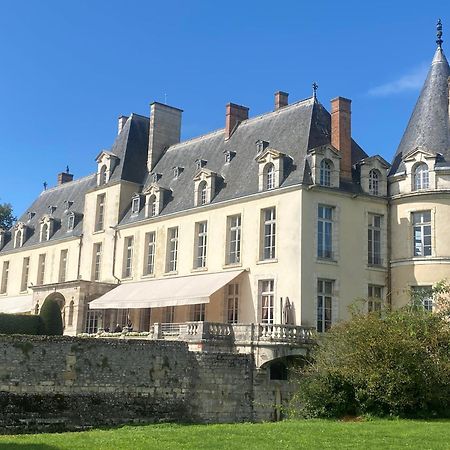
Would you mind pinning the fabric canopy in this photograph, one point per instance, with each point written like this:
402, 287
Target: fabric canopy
189, 290
15, 305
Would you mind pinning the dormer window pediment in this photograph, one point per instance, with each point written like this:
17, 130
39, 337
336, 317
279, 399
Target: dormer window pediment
373, 175
325, 166
270, 168
154, 199
47, 223
205, 181
106, 163
20, 234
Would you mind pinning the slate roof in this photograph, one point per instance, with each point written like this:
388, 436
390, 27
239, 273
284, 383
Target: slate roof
429, 126
292, 130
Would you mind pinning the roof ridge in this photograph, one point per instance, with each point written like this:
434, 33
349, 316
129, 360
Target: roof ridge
70, 183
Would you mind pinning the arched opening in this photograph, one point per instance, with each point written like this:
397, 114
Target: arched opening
325, 172
44, 232
103, 175
374, 182
202, 193
278, 370
61, 301
152, 210
18, 239
269, 176
421, 177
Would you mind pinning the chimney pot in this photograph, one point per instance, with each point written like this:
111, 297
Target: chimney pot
64, 177
235, 114
341, 134
281, 100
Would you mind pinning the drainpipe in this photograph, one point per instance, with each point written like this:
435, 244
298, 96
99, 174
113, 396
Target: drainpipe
79, 257
388, 256
114, 255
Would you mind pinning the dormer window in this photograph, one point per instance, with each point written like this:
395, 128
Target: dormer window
51, 209
269, 176
71, 222
152, 206
374, 182
68, 204
177, 171
20, 234
325, 172
421, 177
261, 146
229, 155
2, 238
135, 204
44, 232
30, 215
107, 162
271, 169
18, 239
205, 187
47, 225
154, 200
154, 177
199, 163
202, 193
103, 178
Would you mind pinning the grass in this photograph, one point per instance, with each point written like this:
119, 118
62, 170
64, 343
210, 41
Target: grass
308, 434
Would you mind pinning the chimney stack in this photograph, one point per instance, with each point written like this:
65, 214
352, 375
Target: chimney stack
281, 100
341, 135
64, 177
122, 122
165, 130
235, 114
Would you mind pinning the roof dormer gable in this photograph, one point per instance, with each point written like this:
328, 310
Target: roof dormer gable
268, 155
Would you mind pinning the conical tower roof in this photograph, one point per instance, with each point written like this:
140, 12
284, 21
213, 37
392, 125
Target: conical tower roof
429, 126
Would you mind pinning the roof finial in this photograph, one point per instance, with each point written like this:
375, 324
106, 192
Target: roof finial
439, 33
67, 169
315, 86
45, 185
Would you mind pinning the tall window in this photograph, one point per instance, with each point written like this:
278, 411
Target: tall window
324, 304
128, 257
103, 176
41, 269
325, 232
62, 266
135, 205
374, 182
234, 239
198, 312
201, 244
5, 275
422, 296
100, 213
374, 240
422, 233
267, 301
168, 314
71, 222
421, 178
269, 172
18, 239
92, 321
232, 303
325, 172
25, 274
152, 206
97, 261
150, 249
202, 193
172, 249
44, 232
375, 298
269, 233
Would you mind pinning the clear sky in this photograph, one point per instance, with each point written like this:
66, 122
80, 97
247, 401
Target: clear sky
70, 68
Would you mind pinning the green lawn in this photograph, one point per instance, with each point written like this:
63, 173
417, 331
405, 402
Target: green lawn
308, 434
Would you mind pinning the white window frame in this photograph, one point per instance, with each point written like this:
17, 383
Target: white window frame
234, 226
267, 301
201, 244
374, 298
374, 240
128, 256
62, 274
269, 172
232, 303
25, 274
427, 302
422, 233
150, 251
41, 269
100, 213
5, 276
374, 182
325, 171
172, 250
97, 261
269, 236
324, 310
421, 177
135, 205
325, 225
198, 312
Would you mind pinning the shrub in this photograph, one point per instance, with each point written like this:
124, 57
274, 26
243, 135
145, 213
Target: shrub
51, 317
21, 324
398, 364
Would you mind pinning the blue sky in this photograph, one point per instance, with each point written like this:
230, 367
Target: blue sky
70, 68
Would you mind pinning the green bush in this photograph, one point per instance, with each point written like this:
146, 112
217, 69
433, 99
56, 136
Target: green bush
397, 365
21, 324
51, 317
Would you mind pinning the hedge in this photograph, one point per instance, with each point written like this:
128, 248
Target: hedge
21, 324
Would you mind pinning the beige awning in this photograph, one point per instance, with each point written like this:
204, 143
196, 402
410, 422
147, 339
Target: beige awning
15, 305
189, 290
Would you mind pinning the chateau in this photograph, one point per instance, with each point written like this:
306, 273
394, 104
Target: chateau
276, 219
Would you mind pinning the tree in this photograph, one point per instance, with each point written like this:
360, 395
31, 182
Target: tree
395, 363
51, 316
6, 216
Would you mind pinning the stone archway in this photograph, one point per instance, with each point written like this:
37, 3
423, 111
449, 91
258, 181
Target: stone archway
61, 301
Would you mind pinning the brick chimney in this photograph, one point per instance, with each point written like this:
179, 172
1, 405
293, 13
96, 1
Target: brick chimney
281, 100
121, 124
341, 135
165, 130
64, 177
235, 114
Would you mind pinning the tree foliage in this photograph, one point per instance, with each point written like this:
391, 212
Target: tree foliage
51, 317
6, 216
395, 364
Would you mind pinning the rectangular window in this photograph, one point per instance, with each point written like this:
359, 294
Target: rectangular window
92, 321
62, 266
128, 257
172, 249
269, 233
96, 261
422, 296
232, 302
374, 240
25, 273
324, 232
234, 239
5, 274
168, 314
267, 296
198, 312
41, 269
150, 248
324, 304
375, 298
422, 233
100, 213
201, 232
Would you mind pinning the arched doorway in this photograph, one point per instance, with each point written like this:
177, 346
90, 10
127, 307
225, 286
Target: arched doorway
61, 301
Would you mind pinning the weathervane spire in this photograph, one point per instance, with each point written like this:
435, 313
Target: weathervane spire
439, 33
315, 86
